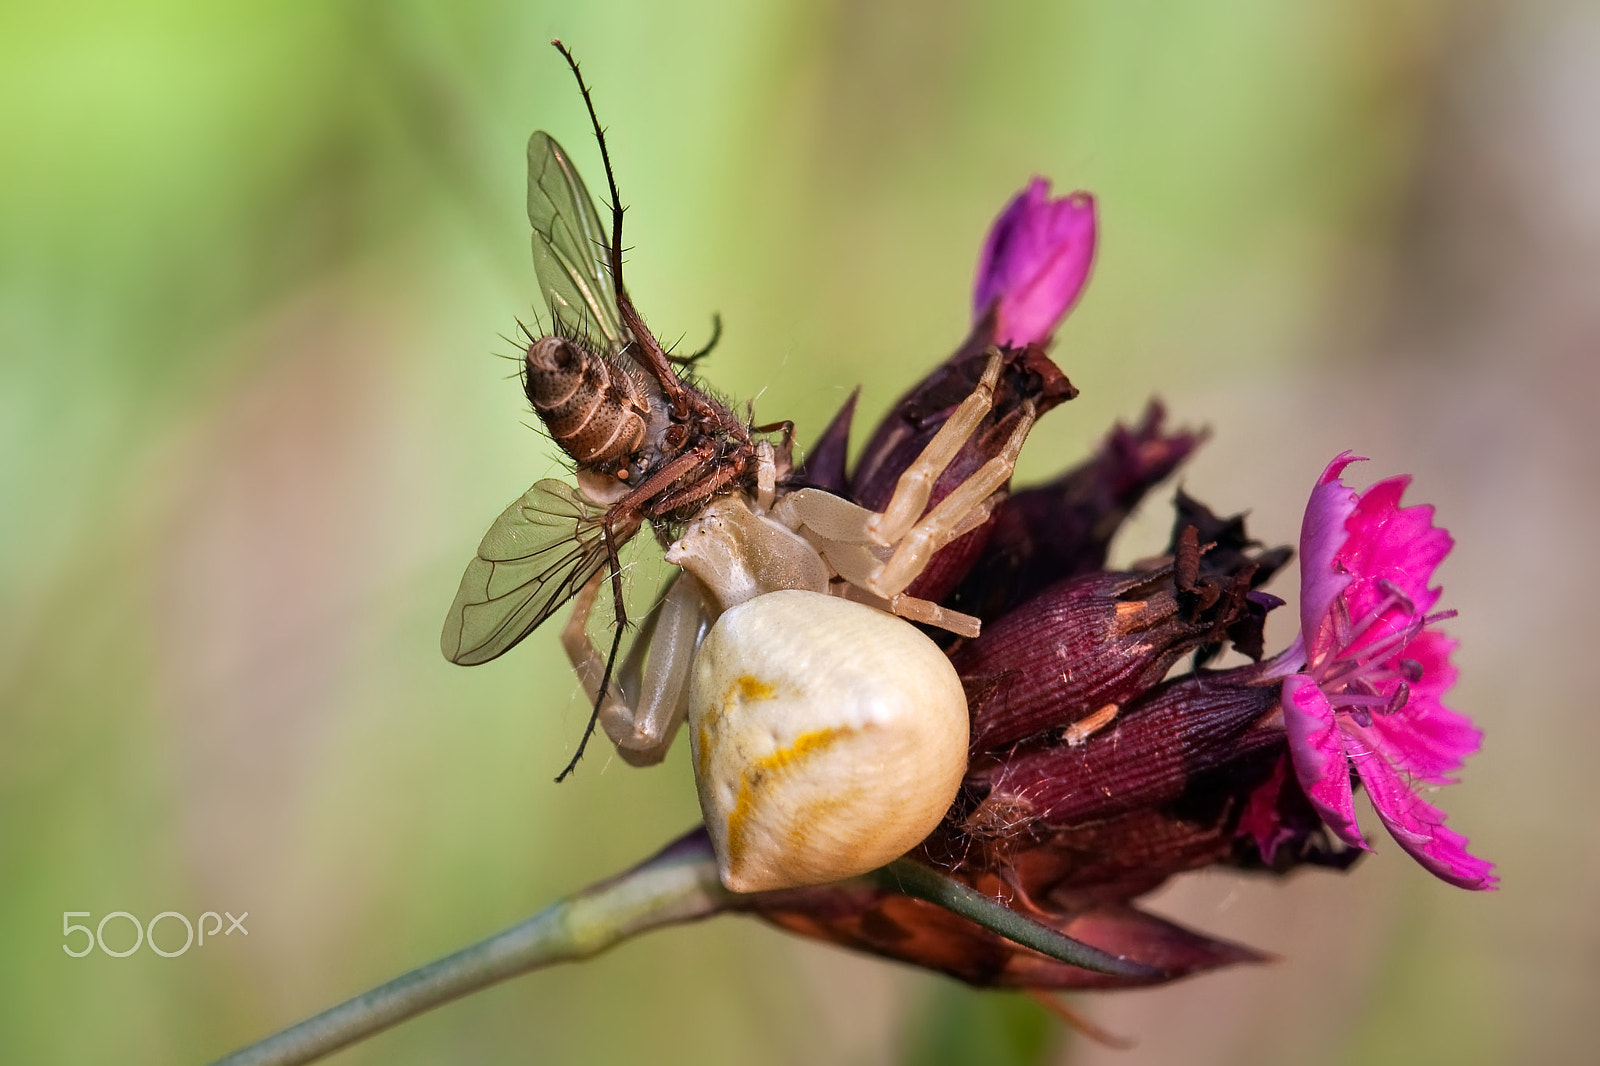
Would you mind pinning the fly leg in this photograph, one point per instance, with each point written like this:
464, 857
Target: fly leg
614, 565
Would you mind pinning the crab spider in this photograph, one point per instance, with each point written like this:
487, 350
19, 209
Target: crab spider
740, 547
829, 737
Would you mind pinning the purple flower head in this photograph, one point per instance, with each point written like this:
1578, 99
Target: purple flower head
1371, 671
1035, 263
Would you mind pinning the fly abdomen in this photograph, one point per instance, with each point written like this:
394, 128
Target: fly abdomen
592, 408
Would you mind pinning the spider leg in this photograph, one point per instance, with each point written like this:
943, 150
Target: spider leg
953, 515
915, 486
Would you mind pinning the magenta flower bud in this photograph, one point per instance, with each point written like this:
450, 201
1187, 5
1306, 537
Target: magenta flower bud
1035, 263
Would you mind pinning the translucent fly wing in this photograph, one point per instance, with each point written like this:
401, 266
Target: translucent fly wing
535, 558
571, 248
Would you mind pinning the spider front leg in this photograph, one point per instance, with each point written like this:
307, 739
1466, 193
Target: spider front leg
915, 486
963, 510
913, 609
644, 707
836, 530
882, 553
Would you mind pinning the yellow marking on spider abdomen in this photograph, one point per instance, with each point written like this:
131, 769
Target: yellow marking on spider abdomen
749, 688
746, 689
766, 772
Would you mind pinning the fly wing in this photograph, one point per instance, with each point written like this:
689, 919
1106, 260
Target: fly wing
571, 248
535, 558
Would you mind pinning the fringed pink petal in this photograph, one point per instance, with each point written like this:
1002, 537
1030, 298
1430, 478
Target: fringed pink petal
1425, 739
1322, 534
1317, 749
1419, 827
1390, 548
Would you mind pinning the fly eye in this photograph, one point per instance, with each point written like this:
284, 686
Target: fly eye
622, 475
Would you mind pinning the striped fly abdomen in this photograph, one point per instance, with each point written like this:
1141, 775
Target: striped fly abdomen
593, 408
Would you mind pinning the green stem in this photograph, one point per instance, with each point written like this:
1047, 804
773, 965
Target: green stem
669, 888
679, 884
911, 878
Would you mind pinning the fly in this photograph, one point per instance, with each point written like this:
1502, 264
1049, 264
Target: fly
647, 444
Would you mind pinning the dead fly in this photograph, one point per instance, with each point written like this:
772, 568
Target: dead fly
648, 445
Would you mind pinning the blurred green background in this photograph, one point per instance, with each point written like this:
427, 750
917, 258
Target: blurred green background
255, 260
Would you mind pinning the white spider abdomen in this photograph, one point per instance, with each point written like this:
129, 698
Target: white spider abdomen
829, 738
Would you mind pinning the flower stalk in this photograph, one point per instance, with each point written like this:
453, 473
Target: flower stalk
679, 884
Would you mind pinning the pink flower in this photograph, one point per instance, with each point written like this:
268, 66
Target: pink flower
1371, 671
1035, 263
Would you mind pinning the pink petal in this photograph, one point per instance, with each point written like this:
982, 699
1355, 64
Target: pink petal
1391, 546
1419, 827
1322, 534
1261, 819
1429, 747
1317, 748
1431, 650
1426, 739
1035, 263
